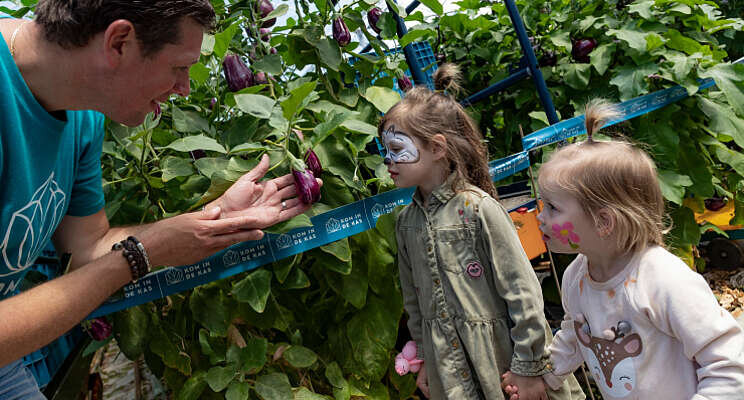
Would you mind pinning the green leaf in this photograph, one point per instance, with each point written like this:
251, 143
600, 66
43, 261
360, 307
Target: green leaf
381, 97
299, 221
193, 387
300, 357
631, 80
601, 57
238, 391
673, 185
354, 286
212, 346
172, 356
248, 148
274, 386
197, 142
677, 41
130, 331
297, 280
329, 53
254, 289
576, 75
208, 306
188, 121
335, 376
271, 63
222, 40
322, 130
94, 345
694, 165
723, 119
653, 42
174, 167
340, 249
199, 73
219, 377
304, 393
293, 105
685, 230
412, 35
433, 5
279, 11
357, 126
207, 46
372, 331
734, 159
255, 104
729, 79
642, 8
634, 38
208, 166
250, 358
561, 39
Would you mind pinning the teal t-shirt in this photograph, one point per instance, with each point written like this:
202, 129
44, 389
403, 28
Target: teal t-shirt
48, 169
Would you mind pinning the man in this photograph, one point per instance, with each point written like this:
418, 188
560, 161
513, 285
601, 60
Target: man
121, 58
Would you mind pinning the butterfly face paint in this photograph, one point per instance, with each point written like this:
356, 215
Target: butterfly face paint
399, 147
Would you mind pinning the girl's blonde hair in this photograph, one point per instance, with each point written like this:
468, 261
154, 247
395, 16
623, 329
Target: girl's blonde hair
611, 175
424, 113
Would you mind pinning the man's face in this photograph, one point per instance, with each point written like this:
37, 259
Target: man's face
146, 82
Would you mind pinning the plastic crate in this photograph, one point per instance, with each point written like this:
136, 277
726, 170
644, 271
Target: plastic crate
424, 56
36, 362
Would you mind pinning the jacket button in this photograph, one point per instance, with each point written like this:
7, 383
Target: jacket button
465, 374
437, 282
430, 248
443, 314
454, 343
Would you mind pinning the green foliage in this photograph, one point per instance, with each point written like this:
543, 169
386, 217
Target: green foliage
644, 46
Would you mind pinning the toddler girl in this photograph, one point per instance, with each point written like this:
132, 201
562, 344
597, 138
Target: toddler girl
474, 303
647, 326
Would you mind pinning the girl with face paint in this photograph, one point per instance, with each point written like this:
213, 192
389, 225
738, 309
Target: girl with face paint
627, 299
473, 300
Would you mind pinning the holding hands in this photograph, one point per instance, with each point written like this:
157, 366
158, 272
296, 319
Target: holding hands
523, 387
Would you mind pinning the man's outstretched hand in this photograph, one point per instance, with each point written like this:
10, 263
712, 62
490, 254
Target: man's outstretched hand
261, 202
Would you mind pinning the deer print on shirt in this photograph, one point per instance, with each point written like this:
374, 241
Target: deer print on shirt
611, 361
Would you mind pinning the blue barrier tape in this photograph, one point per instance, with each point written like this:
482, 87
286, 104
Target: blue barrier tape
352, 218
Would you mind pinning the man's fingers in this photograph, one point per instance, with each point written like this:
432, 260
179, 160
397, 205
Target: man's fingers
210, 212
232, 224
294, 208
283, 181
259, 170
230, 239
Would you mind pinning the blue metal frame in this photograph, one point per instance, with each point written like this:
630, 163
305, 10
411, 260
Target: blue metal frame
531, 69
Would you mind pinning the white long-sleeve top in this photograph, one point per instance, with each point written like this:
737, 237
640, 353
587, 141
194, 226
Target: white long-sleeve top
681, 344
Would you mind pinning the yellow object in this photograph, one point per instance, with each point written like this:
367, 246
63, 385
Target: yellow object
529, 233
719, 218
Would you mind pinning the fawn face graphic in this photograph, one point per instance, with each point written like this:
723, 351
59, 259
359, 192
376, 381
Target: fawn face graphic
611, 361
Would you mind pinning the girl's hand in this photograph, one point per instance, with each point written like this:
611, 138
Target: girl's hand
422, 381
523, 387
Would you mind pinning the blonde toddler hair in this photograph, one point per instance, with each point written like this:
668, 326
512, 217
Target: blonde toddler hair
612, 175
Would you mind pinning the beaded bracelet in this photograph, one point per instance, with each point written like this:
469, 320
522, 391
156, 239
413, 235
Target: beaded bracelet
135, 254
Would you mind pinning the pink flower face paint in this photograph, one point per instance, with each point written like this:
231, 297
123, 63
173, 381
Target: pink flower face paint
565, 233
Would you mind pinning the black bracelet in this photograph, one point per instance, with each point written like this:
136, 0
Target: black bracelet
136, 256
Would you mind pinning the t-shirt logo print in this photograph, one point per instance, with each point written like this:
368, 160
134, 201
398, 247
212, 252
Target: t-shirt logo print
611, 361
32, 225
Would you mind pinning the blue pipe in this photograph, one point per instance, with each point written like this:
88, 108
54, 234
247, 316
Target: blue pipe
413, 64
496, 87
537, 77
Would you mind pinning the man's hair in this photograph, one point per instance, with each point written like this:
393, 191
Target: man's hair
613, 175
72, 24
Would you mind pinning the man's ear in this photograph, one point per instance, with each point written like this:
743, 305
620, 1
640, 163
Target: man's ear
438, 146
606, 222
119, 41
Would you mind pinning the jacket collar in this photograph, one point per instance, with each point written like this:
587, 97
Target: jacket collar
441, 194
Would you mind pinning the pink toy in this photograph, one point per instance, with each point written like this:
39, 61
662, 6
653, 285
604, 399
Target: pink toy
406, 360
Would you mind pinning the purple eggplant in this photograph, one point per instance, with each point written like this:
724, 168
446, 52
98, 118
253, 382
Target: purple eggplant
581, 49
307, 187
265, 8
272, 50
404, 84
260, 79
341, 32
212, 102
715, 203
265, 34
99, 329
237, 74
313, 163
373, 16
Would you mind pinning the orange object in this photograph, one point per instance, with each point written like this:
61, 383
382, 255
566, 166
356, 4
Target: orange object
528, 230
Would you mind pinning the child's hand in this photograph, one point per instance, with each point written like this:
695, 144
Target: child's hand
422, 381
523, 387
